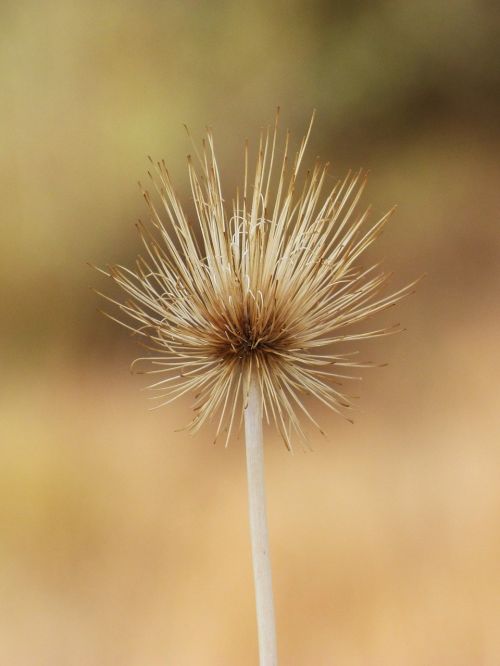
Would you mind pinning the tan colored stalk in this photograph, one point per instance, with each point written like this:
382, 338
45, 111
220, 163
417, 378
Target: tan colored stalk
258, 527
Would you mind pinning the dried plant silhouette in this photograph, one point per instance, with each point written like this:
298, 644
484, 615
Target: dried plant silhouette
267, 287
246, 307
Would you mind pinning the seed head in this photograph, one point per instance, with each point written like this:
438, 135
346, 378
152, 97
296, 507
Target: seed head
269, 286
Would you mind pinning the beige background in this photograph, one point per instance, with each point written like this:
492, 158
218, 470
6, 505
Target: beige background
125, 542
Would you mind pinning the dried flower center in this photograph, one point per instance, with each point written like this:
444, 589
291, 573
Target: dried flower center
249, 339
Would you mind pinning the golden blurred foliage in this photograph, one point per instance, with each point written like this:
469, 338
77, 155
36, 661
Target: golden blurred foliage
124, 542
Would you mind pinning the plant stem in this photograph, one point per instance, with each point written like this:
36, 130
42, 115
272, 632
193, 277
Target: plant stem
258, 527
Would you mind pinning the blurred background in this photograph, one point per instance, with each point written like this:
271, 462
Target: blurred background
124, 541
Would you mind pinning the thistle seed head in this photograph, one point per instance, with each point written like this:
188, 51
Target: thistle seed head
269, 286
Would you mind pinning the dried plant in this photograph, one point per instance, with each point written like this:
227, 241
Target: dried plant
266, 289
246, 306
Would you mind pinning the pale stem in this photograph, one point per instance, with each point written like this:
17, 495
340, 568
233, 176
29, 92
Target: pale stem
258, 528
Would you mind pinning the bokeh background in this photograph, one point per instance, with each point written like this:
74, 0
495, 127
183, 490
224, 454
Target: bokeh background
125, 542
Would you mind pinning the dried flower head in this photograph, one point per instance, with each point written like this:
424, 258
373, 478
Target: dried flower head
268, 287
